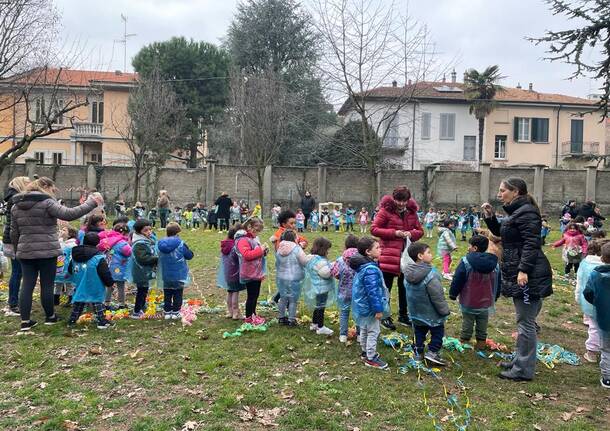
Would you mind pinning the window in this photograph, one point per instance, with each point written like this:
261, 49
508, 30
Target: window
96, 157
391, 139
500, 147
470, 147
447, 128
426, 125
40, 113
39, 156
523, 129
540, 130
531, 130
576, 136
58, 158
57, 106
97, 112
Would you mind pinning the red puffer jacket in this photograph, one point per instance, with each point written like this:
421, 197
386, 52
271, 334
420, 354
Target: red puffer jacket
386, 223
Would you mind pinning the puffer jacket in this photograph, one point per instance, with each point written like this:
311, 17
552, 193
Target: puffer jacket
173, 254
110, 238
8, 198
597, 293
446, 241
343, 272
476, 281
574, 244
387, 221
144, 259
369, 294
522, 244
34, 223
425, 295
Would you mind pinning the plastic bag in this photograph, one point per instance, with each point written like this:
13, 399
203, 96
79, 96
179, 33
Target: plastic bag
318, 292
405, 259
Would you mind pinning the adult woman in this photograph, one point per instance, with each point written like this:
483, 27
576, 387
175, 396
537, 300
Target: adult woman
223, 210
526, 272
308, 204
163, 205
17, 185
34, 234
395, 222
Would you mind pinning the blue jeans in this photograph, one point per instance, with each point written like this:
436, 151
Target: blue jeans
14, 283
436, 338
344, 311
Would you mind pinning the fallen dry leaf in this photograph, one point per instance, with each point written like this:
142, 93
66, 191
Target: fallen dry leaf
190, 426
95, 350
42, 385
132, 355
286, 394
566, 416
70, 425
346, 413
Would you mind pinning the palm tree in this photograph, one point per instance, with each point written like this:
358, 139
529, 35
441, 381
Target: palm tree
480, 91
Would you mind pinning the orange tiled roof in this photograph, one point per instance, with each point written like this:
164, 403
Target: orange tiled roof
71, 77
432, 90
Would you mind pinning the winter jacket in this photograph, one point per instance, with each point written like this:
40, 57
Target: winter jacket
585, 270
90, 274
385, 224
425, 296
573, 211
224, 204
369, 293
597, 293
446, 241
343, 272
289, 262
275, 238
8, 198
252, 262
34, 223
173, 254
477, 282
574, 245
522, 250
144, 259
588, 210
110, 238
308, 204
227, 276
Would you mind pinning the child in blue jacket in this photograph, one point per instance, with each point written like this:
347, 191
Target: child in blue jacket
597, 293
369, 299
173, 254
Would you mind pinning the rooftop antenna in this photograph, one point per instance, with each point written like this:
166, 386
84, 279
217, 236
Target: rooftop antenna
126, 36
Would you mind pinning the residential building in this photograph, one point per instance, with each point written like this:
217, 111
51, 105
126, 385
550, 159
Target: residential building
96, 135
433, 125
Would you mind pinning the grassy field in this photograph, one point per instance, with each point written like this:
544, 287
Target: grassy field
157, 375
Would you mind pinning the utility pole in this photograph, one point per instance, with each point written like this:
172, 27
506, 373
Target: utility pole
126, 36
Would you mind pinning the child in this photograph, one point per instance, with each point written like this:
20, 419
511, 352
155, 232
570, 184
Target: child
314, 221
429, 220
228, 271
363, 219
173, 254
203, 211
350, 215
446, 245
143, 264
152, 216
257, 211
91, 276
196, 217
178, 215
188, 218
275, 212
325, 219
585, 269
564, 221
287, 220
67, 240
597, 293
463, 223
235, 213
213, 218
252, 264
477, 283
370, 298
546, 228
118, 251
319, 284
337, 219
300, 220
342, 271
138, 211
426, 303
289, 261
574, 247
95, 223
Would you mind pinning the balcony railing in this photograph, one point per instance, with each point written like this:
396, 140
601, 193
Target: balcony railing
579, 148
88, 130
395, 144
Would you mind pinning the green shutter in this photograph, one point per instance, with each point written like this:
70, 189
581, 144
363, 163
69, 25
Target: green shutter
516, 129
535, 129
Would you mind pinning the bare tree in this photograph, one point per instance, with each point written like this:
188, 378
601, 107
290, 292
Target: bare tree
366, 45
259, 113
152, 125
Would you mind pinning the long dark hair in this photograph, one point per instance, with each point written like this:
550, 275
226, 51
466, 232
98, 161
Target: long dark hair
520, 186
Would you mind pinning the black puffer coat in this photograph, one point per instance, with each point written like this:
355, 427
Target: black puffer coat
8, 198
520, 233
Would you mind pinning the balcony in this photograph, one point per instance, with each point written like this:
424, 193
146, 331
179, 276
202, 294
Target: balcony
580, 148
395, 145
88, 131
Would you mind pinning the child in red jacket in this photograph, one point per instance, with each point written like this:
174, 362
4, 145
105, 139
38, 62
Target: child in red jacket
574, 247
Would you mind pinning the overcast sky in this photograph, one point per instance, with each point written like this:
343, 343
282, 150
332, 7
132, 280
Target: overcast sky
476, 32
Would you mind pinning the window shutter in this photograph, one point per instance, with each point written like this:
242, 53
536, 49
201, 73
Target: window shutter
516, 129
100, 112
535, 129
544, 130
451, 126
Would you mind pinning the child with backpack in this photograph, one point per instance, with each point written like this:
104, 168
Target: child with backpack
143, 264
115, 244
227, 276
289, 261
67, 241
370, 299
477, 283
428, 309
342, 271
173, 266
319, 284
91, 276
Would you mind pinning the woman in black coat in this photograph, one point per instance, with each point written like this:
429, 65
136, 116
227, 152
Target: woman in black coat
526, 272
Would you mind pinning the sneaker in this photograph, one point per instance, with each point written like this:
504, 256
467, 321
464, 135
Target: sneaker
342, 338
325, 331
292, 323
376, 362
176, 315
137, 315
590, 356
448, 276
363, 356
248, 320
388, 324
168, 315
26, 326
12, 312
404, 321
51, 320
605, 383
257, 320
282, 321
435, 358
313, 327
105, 324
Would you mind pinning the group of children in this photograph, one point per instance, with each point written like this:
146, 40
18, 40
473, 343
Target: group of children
339, 219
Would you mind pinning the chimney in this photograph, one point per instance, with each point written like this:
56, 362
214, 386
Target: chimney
519, 85
394, 84
453, 76
118, 72
531, 86
444, 80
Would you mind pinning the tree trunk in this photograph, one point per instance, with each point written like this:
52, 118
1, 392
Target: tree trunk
260, 178
481, 131
192, 162
136, 182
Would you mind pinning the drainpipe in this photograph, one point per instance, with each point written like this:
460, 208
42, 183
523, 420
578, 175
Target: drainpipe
557, 137
413, 139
